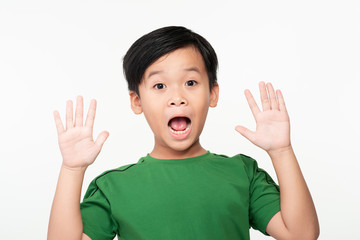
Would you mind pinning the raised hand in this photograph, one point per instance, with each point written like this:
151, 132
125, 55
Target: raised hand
272, 124
76, 143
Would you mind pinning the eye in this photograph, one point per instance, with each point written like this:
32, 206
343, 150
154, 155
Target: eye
159, 86
191, 83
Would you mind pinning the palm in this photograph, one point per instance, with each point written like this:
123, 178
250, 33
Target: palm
76, 143
272, 124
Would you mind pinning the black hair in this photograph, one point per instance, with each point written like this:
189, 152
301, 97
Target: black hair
150, 47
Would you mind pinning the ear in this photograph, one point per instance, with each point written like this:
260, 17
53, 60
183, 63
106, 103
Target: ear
135, 102
214, 95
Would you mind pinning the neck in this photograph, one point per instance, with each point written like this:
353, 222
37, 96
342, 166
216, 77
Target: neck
164, 152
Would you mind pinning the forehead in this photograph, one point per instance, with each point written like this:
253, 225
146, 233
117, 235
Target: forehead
183, 59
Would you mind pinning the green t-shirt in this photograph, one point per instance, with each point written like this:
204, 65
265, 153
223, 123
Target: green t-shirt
206, 197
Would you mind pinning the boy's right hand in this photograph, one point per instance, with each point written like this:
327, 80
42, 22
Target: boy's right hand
76, 143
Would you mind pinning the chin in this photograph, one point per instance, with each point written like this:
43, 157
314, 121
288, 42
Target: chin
183, 146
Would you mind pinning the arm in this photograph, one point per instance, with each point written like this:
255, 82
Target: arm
297, 218
78, 151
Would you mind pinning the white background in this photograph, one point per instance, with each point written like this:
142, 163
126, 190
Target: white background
53, 51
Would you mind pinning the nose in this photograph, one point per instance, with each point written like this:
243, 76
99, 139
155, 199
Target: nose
177, 101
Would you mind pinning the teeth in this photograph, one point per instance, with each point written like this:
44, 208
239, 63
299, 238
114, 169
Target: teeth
179, 132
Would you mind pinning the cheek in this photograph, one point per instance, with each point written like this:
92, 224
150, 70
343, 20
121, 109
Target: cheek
202, 102
201, 111
153, 115
153, 123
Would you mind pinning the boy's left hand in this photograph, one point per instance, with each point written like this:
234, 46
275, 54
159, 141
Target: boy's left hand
272, 124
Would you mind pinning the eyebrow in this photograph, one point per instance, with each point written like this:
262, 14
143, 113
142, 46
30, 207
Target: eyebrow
190, 69
153, 73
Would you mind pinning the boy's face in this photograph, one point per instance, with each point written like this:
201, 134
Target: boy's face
175, 98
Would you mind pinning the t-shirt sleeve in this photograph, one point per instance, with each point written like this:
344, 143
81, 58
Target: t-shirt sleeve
97, 220
264, 196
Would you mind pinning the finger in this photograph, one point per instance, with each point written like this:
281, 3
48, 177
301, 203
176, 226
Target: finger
265, 102
79, 111
252, 103
250, 135
59, 125
281, 100
101, 139
89, 122
273, 102
69, 114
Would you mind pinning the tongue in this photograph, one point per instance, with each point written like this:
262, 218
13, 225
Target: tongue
178, 124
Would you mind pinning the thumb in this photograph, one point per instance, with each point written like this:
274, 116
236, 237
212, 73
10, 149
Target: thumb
250, 135
101, 139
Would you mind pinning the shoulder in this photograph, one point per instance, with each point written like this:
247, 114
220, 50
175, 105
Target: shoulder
113, 175
252, 169
238, 159
111, 178
117, 172
238, 163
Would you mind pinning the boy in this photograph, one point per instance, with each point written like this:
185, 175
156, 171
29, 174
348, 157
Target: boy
180, 190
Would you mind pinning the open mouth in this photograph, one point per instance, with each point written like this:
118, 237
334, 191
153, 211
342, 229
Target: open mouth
179, 125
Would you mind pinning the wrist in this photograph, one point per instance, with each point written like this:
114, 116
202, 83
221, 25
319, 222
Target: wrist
280, 152
73, 170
